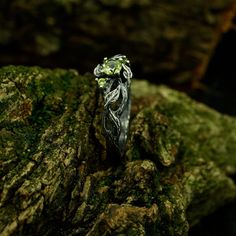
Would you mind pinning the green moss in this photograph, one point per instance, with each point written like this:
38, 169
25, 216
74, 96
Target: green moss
179, 157
42, 125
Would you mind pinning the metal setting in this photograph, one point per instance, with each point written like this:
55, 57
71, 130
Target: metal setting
114, 79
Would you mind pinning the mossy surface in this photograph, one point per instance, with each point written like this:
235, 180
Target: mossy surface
56, 178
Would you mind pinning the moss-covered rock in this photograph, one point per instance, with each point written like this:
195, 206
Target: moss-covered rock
56, 179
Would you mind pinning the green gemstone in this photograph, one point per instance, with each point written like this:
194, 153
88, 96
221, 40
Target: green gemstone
101, 82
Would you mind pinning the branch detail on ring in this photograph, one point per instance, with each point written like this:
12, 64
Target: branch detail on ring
114, 78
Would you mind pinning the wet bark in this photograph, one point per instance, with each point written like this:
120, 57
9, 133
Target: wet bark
57, 180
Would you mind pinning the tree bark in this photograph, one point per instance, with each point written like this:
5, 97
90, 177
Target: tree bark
169, 39
57, 180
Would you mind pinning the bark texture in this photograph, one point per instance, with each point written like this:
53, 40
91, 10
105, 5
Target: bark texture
57, 180
166, 38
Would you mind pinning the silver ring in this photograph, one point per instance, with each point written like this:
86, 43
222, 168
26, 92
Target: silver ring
114, 79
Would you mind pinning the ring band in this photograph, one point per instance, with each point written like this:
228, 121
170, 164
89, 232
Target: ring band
114, 79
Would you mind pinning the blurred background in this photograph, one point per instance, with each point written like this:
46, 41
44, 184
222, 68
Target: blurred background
190, 46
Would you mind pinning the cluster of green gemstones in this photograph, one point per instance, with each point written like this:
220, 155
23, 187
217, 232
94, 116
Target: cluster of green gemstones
110, 68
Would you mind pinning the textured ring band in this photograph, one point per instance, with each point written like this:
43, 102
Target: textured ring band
114, 79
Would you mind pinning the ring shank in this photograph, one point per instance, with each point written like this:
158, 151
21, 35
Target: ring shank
114, 79
124, 119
